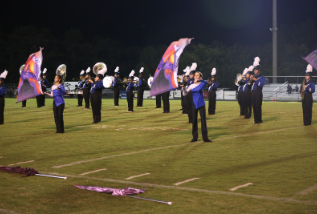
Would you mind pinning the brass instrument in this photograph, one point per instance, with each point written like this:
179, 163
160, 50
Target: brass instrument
21, 68
98, 66
61, 71
302, 93
238, 78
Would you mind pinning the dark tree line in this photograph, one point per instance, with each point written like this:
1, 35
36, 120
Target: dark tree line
79, 53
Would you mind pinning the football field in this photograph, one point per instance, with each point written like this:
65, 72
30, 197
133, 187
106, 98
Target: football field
265, 168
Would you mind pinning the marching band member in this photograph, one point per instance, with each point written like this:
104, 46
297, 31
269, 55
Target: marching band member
80, 87
129, 89
57, 92
2, 94
96, 95
240, 84
197, 89
247, 92
44, 84
212, 92
116, 86
182, 85
86, 88
257, 96
307, 90
141, 85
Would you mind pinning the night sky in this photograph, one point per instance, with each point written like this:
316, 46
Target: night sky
153, 22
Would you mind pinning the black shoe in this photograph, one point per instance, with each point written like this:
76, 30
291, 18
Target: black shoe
207, 141
193, 140
181, 109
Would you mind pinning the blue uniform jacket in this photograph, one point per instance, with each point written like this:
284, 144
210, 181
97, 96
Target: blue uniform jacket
45, 82
246, 87
260, 82
80, 84
213, 86
129, 85
310, 87
96, 85
57, 93
114, 82
2, 90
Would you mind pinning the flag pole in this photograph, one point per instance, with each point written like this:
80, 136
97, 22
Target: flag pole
148, 199
52, 176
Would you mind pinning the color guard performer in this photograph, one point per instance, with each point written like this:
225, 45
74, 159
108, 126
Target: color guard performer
96, 95
129, 89
86, 88
141, 86
57, 92
116, 86
166, 102
307, 90
2, 94
23, 104
190, 81
197, 89
80, 88
212, 92
44, 84
256, 94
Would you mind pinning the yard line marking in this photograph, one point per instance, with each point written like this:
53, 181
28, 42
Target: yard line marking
216, 192
135, 176
112, 156
238, 187
192, 179
8, 211
21, 163
308, 190
164, 147
98, 170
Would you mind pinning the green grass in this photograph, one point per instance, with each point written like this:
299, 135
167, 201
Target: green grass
279, 157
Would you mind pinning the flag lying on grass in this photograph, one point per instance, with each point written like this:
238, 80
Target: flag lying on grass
312, 59
165, 77
30, 84
26, 171
113, 191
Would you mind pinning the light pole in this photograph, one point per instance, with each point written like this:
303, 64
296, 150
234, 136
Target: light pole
274, 31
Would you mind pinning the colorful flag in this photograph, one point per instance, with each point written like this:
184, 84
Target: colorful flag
113, 191
30, 84
312, 59
165, 77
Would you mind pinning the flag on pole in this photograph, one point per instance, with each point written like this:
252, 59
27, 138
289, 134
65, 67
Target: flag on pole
30, 83
312, 59
165, 77
113, 191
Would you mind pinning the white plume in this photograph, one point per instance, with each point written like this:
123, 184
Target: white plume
4, 74
256, 61
250, 68
193, 67
187, 72
117, 69
186, 69
245, 71
213, 72
131, 73
88, 70
103, 71
44, 71
141, 70
309, 68
82, 72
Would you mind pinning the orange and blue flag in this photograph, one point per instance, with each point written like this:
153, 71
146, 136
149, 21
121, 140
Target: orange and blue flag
165, 77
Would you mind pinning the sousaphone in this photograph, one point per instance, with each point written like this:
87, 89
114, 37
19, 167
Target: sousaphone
21, 68
61, 71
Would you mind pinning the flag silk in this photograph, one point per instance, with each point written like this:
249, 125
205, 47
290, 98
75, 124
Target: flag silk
113, 191
312, 59
165, 77
26, 171
30, 83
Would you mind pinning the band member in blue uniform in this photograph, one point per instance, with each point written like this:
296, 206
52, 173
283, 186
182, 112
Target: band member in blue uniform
80, 88
57, 92
240, 84
130, 95
141, 86
181, 85
96, 95
189, 96
117, 83
197, 89
166, 102
213, 85
44, 84
256, 92
86, 88
307, 90
247, 93
2, 94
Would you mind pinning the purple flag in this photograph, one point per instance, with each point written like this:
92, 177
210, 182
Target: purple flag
312, 59
113, 191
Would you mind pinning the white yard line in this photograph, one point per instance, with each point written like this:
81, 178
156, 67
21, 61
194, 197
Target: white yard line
192, 179
264, 197
20, 163
135, 176
164, 147
98, 170
241, 186
308, 190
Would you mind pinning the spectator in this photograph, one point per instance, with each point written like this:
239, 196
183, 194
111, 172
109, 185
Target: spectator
296, 88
